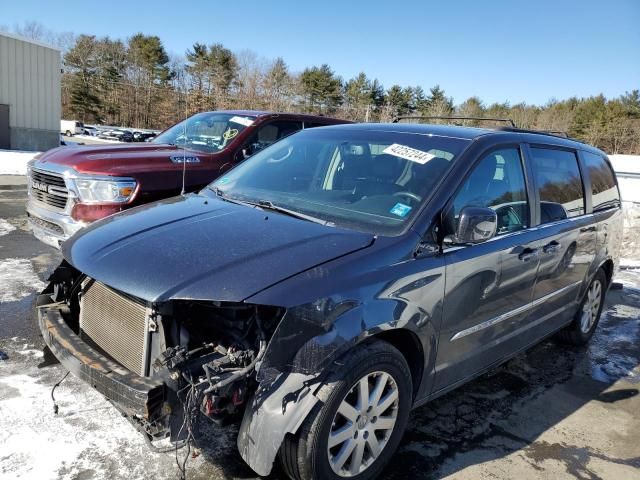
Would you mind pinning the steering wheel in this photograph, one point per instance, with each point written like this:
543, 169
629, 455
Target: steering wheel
409, 195
287, 153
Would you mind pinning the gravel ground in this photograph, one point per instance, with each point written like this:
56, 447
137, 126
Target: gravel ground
553, 412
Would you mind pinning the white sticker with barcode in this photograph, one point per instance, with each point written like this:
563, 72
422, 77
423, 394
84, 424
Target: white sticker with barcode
241, 120
408, 153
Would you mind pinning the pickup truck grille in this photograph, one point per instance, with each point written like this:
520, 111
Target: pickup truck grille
48, 188
116, 324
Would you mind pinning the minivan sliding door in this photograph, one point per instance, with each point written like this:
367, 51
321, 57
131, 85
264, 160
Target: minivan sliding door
566, 242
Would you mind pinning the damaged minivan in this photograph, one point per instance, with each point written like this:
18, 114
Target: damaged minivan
334, 281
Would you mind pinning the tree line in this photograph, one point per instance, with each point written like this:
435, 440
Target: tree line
136, 83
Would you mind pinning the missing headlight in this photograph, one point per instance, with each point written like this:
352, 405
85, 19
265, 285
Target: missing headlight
215, 348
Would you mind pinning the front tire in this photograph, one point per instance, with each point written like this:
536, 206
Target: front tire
586, 319
355, 428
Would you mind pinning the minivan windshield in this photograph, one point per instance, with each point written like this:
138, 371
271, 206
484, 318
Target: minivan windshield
208, 132
364, 179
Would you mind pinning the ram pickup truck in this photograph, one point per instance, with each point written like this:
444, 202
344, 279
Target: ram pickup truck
72, 187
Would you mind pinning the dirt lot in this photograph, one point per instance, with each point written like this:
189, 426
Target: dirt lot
553, 412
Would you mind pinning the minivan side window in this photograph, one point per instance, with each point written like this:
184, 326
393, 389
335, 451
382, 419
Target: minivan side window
559, 184
604, 192
497, 182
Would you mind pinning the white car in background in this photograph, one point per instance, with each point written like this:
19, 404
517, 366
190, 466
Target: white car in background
71, 127
92, 131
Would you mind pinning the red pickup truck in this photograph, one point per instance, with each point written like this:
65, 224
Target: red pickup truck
69, 187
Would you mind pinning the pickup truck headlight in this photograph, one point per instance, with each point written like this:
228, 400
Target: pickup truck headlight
104, 191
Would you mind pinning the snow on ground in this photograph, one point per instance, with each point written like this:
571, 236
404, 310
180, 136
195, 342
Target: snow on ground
91, 137
53, 446
630, 251
14, 162
18, 279
5, 227
87, 439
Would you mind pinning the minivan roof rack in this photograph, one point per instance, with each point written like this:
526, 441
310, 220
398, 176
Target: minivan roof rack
509, 128
552, 133
449, 117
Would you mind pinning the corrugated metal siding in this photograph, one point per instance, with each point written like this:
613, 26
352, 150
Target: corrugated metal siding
30, 83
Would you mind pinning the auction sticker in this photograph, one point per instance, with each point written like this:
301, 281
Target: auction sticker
241, 120
400, 209
408, 153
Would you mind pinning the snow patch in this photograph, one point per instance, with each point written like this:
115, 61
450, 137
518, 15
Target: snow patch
94, 139
89, 438
59, 449
31, 352
5, 227
14, 162
18, 279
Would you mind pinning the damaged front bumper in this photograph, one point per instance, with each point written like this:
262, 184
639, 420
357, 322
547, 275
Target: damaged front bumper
141, 399
272, 376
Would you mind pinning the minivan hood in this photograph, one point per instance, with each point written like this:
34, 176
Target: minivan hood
203, 248
116, 160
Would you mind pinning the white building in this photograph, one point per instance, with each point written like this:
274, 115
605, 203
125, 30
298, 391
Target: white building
627, 168
30, 107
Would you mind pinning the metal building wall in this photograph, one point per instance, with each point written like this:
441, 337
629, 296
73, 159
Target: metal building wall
30, 85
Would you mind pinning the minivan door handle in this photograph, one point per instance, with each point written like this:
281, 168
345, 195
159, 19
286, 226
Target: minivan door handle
528, 254
551, 248
588, 229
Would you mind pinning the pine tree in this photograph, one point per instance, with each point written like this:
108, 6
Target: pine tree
322, 88
278, 84
81, 65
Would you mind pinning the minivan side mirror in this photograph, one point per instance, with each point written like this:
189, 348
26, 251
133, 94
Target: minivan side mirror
476, 225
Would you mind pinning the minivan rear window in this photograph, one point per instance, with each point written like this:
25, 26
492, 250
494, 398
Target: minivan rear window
559, 184
604, 191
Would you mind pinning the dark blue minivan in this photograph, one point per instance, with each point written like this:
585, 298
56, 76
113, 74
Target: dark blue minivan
335, 280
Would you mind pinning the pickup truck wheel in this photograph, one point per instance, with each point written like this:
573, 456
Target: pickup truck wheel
355, 428
586, 319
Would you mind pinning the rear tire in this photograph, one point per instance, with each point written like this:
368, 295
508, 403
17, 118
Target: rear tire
364, 442
586, 319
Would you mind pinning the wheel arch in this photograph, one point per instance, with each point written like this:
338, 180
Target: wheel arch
408, 344
608, 268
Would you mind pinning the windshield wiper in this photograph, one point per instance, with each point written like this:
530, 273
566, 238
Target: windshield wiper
223, 196
268, 205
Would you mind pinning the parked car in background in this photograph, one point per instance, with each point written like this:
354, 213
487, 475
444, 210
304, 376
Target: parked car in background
334, 281
92, 131
71, 127
125, 136
143, 136
117, 134
107, 134
70, 188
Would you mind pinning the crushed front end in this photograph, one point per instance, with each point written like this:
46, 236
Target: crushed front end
159, 364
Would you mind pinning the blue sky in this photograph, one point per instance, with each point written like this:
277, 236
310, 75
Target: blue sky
498, 50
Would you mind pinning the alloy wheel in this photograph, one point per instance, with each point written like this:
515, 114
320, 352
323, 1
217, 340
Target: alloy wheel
363, 424
591, 306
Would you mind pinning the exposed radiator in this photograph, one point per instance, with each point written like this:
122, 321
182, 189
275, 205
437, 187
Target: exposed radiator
116, 324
